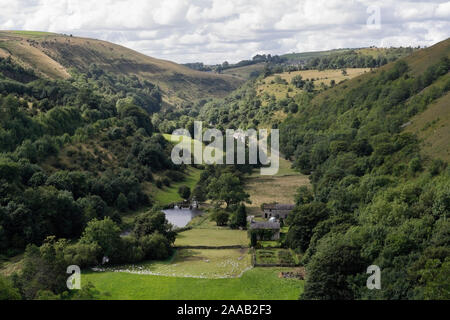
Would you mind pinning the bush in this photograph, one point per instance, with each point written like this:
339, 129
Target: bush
220, 217
7, 290
155, 246
83, 255
105, 233
184, 192
122, 202
166, 181
415, 165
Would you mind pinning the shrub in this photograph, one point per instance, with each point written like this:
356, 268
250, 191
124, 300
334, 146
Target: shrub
184, 192
220, 217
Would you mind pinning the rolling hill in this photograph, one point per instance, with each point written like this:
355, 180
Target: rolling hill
54, 55
432, 125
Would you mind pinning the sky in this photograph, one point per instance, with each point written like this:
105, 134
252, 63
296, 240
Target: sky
214, 31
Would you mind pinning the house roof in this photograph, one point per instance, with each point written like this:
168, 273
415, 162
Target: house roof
278, 206
265, 225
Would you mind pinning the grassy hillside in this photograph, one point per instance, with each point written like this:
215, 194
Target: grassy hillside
312, 54
245, 72
53, 55
433, 128
280, 90
357, 55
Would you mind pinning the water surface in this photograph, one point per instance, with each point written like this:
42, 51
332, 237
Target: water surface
181, 217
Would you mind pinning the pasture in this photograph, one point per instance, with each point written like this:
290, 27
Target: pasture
212, 237
280, 188
279, 90
194, 263
255, 284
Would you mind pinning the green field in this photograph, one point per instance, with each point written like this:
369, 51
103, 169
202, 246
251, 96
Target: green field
212, 237
255, 284
168, 195
190, 263
32, 33
275, 256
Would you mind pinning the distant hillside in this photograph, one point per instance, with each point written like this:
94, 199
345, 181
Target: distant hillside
348, 58
246, 72
53, 55
371, 57
312, 54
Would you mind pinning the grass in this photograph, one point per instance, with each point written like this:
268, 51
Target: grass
245, 71
32, 33
280, 91
11, 265
275, 256
169, 195
280, 188
255, 284
194, 263
212, 237
433, 128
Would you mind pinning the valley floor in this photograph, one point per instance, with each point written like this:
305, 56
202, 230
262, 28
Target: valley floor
255, 284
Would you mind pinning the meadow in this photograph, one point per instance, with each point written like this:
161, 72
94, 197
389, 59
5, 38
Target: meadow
255, 284
280, 188
168, 195
194, 263
212, 237
269, 86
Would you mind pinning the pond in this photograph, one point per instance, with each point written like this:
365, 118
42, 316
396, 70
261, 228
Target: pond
181, 217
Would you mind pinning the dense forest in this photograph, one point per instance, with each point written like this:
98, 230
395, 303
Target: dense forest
376, 198
74, 156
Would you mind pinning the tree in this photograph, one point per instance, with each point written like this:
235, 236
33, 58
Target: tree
304, 196
7, 290
303, 220
227, 188
293, 107
105, 233
298, 81
336, 260
44, 268
436, 279
151, 222
155, 246
122, 202
184, 192
239, 219
220, 217
309, 86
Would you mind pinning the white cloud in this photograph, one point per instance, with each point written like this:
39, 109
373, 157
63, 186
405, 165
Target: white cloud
212, 31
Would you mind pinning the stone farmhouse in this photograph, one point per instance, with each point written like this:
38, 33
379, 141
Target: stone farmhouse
276, 210
271, 225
